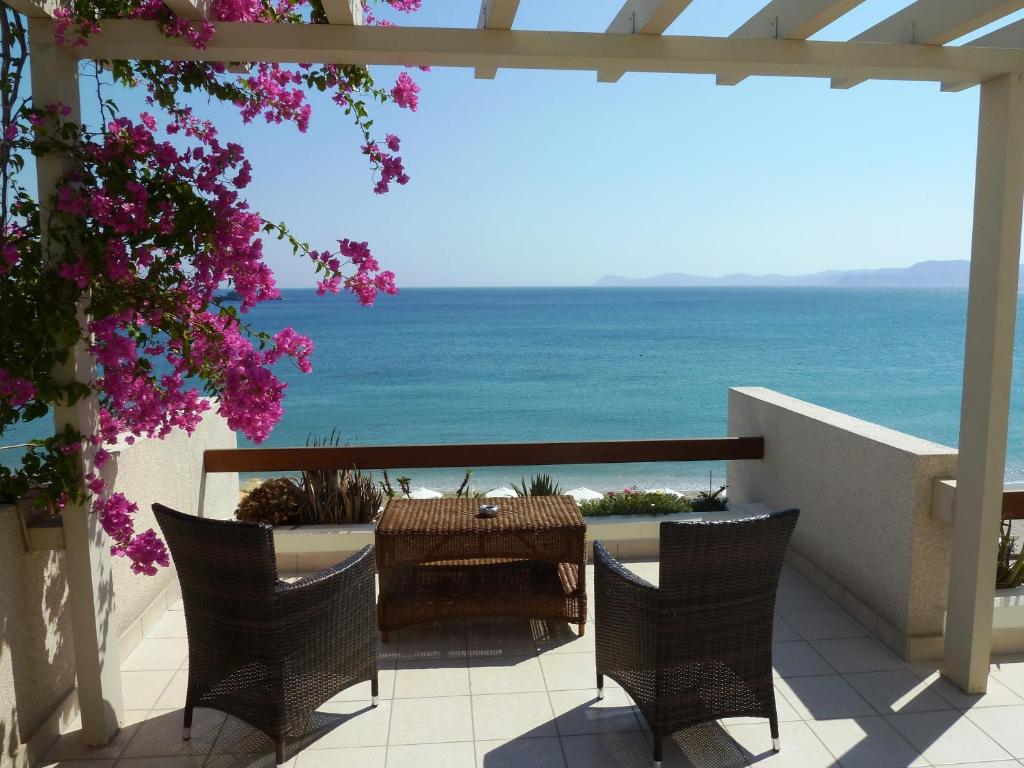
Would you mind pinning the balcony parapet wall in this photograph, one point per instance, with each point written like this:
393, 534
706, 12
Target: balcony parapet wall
866, 534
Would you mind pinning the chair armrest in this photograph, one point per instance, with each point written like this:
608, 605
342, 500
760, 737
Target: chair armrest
343, 595
626, 613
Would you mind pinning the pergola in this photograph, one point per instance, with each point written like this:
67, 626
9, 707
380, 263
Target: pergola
910, 45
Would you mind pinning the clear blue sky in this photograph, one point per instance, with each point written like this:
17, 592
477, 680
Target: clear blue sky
550, 178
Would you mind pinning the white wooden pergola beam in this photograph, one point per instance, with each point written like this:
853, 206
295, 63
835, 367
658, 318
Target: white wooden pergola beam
34, 9
1010, 36
641, 17
195, 10
790, 20
90, 575
343, 11
933, 22
495, 14
580, 51
988, 364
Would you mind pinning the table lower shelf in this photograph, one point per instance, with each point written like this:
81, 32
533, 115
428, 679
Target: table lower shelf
511, 589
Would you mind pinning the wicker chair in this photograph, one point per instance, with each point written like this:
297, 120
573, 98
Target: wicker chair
263, 650
699, 646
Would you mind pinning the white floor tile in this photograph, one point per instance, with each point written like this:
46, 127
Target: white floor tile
823, 697
800, 747
580, 712
349, 757
823, 624
1004, 724
513, 716
946, 737
426, 679
857, 654
897, 691
518, 674
545, 752
430, 721
797, 659
157, 654
997, 695
451, 755
867, 742
351, 724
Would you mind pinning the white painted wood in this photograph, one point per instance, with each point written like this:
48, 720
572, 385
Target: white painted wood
933, 22
87, 549
516, 49
495, 14
641, 17
647, 17
790, 20
1010, 36
196, 10
988, 359
343, 11
34, 9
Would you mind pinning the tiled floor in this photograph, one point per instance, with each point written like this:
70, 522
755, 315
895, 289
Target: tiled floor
520, 694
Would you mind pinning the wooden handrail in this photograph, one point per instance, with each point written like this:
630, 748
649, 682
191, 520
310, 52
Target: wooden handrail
1013, 505
483, 455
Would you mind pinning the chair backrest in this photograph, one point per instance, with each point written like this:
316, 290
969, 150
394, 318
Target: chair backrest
226, 565
704, 564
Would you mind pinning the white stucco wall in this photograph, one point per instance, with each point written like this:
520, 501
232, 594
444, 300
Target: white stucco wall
36, 645
168, 471
864, 492
37, 668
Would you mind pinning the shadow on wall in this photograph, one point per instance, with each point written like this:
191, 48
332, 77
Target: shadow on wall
36, 647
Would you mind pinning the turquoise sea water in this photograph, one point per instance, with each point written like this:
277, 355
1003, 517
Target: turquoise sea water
504, 365
482, 365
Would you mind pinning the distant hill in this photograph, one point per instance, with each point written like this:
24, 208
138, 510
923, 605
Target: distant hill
924, 274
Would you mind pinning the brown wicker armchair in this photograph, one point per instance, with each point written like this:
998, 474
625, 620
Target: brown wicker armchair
263, 650
698, 647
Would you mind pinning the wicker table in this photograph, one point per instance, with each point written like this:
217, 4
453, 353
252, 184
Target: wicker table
439, 559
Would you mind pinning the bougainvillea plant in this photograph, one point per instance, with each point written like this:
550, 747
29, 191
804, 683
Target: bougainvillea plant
147, 228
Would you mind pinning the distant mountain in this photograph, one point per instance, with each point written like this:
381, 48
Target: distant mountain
924, 274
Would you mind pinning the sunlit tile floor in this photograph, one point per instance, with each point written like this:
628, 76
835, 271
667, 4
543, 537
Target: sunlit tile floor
519, 694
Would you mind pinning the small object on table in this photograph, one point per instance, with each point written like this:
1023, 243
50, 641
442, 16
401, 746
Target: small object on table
488, 510
446, 559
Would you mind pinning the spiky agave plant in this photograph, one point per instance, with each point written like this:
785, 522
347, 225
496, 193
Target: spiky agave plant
539, 485
1009, 572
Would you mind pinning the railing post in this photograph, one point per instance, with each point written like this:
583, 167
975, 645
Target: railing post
988, 362
87, 549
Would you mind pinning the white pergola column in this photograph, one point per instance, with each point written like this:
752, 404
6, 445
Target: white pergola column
988, 362
87, 549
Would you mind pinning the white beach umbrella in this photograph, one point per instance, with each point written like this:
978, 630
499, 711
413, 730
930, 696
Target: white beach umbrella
667, 492
504, 492
584, 494
425, 493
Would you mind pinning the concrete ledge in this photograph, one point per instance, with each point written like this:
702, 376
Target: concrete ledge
312, 547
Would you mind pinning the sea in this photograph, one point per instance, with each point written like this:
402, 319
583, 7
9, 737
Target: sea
480, 365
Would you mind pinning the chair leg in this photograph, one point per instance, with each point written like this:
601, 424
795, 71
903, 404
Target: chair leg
774, 725
279, 749
657, 749
186, 726
600, 686
374, 690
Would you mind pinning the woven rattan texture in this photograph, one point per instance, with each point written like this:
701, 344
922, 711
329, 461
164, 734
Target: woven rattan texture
699, 646
267, 652
438, 558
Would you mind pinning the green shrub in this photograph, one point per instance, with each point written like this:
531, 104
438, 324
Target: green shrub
278, 501
710, 501
635, 503
1009, 567
539, 485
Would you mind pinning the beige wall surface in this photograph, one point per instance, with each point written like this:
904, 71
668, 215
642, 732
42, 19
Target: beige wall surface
37, 670
864, 492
